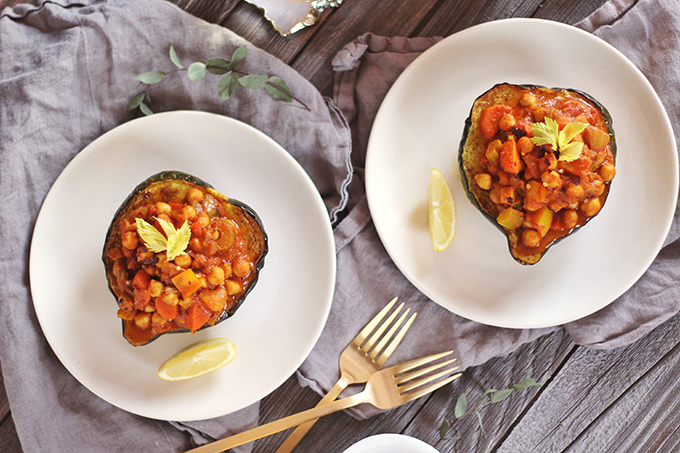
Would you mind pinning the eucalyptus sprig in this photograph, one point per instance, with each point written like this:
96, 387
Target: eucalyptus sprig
488, 397
233, 77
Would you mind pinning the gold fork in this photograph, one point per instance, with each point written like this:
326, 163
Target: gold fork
360, 360
386, 389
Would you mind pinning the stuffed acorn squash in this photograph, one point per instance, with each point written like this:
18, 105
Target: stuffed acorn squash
180, 256
538, 162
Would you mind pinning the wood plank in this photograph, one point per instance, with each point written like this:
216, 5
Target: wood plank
545, 356
596, 397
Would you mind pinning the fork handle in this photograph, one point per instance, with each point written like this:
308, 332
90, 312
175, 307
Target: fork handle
297, 435
282, 424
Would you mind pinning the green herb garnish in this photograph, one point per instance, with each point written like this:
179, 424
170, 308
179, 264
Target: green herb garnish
233, 78
549, 133
174, 245
490, 396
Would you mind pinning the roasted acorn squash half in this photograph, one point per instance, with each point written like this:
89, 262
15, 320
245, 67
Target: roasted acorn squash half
538, 162
179, 256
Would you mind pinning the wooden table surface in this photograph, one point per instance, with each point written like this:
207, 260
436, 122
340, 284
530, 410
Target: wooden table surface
624, 400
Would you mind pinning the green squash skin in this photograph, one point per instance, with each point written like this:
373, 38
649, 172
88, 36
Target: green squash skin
482, 203
181, 176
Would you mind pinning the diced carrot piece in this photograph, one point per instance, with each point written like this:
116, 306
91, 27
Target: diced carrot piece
187, 283
510, 158
197, 315
166, 310
141, 280
488, 121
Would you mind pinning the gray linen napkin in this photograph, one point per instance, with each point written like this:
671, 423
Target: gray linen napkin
67, 72
645, 31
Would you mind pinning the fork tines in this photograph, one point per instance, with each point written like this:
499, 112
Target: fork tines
381, 351
407, 374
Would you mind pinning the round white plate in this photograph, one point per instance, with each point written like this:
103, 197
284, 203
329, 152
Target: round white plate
419, 127
391, 443
275, 328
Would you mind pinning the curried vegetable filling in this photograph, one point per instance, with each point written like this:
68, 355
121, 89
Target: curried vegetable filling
547, 166
182, 263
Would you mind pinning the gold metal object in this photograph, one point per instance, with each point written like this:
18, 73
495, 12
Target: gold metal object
386, 389
360, 360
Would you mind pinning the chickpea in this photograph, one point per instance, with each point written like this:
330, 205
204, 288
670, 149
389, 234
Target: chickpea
226, 267
183, 261
143, 320
569, 218
551, 179
170, 298
155, 288
607, 172
194, 195
185, 303
195, 244
130, 240
531, 237
158, 319
591, 207
126, 315
188, 212
538, 114
216, 276
203, 218
484, 181
241, 267
163, 208
232, 287
149, 308
525, 145
575, 191
527, 100
506, 122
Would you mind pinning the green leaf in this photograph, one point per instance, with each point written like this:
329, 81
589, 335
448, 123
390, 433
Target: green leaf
153, 239
484, 395
227, 85
570, 131
443, 429
278, 89
145, 109
525, 384
237, 57
174, 58
461, 406
481, 425
136, 101
571, 152
150, 77
253, 81
545, 133
218, 66
196, 71
178, 240
147, 98
501, 395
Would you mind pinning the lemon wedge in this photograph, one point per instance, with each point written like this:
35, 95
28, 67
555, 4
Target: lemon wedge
198, 359
441, 212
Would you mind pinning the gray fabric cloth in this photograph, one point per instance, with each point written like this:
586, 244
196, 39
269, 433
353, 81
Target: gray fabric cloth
645, 31
72, 84
67, 73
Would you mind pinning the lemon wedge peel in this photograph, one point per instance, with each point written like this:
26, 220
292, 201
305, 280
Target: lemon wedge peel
198, 360
441, 212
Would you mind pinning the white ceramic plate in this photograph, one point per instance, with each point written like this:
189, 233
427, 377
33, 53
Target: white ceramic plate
275, 328
419, 126
391, 443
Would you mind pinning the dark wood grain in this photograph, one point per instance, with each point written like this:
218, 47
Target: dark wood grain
623, 400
